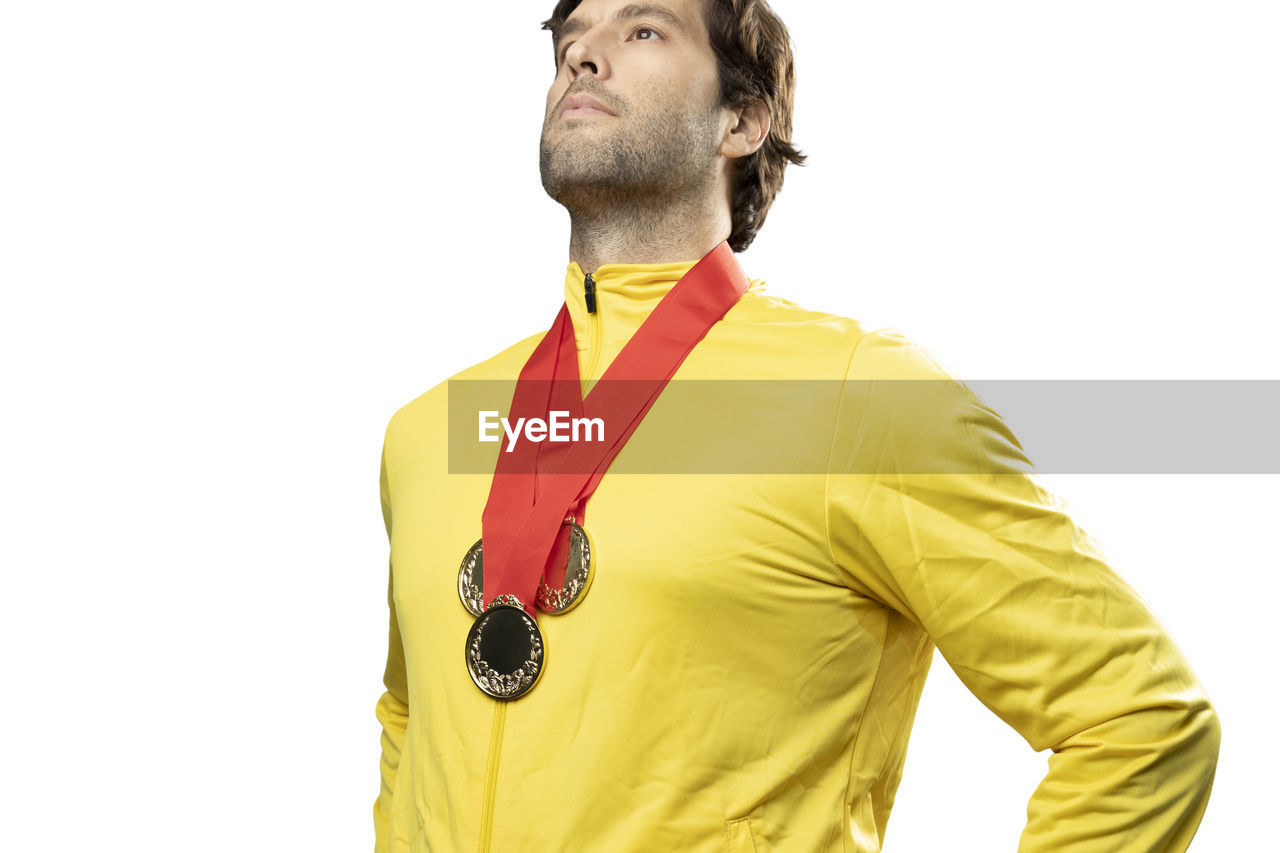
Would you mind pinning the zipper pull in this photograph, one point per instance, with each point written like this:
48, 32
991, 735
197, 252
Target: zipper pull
591, 294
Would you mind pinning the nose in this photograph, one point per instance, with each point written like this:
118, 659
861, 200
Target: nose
583, 57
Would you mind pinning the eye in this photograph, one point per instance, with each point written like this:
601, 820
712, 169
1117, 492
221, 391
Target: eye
564, 51
638, 32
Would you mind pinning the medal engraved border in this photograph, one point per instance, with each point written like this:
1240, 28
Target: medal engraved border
577, 575
553, 600
504, 685
472, 593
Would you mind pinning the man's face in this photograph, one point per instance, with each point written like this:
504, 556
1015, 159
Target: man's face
633, 112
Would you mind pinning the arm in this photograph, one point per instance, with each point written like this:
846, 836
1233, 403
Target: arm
392, 709
932, 511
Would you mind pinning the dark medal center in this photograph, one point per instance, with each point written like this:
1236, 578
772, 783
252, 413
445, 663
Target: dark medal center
507, 644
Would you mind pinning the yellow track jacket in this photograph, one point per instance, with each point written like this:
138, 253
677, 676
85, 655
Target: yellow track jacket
745, 669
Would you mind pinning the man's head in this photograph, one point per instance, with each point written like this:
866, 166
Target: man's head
655, 102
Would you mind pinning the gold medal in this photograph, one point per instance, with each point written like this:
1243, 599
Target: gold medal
504, 650
471, 579
578, 574
505, 654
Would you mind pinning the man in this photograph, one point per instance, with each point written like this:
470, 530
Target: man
740, 668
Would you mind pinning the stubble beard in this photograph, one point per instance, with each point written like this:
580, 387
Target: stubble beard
659, 163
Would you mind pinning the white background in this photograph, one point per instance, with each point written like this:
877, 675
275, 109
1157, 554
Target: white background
236, 236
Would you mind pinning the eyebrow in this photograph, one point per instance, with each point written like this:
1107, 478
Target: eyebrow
574, 26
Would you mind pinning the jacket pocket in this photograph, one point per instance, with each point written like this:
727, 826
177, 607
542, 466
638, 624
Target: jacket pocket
740, 838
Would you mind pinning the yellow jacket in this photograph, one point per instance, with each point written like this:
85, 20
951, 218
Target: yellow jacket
744, 672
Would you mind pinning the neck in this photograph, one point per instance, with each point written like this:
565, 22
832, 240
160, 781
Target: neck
637, 234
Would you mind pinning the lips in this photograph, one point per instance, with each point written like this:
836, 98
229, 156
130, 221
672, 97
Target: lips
582, 104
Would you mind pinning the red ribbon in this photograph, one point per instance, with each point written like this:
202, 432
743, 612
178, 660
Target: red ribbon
536, 485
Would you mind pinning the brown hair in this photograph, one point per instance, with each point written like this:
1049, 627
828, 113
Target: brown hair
754, 62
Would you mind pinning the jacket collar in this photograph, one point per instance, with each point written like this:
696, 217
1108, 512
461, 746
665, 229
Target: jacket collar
625, 295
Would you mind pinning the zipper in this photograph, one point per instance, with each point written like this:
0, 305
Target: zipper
500, 708
589, 291
491, 775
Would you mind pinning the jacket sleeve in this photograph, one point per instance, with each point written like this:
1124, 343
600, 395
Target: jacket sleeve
934, 511
392, 709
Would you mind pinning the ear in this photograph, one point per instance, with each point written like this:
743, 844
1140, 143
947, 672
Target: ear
748, 129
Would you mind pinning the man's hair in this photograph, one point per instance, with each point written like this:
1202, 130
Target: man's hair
754, 62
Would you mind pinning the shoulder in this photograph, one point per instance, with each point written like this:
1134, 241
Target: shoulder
899, 404
768, 336
848, 346
429, 409
903, 409
759, 307
890, 353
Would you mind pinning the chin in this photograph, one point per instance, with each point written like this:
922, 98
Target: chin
567, 155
